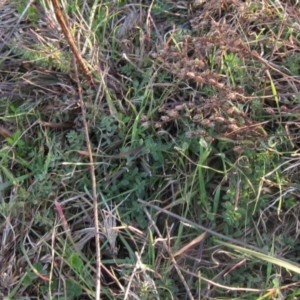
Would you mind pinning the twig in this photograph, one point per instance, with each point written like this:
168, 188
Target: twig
94, 191
70, 39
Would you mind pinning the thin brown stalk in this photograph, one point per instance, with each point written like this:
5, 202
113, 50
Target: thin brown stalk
71, 41
93, 179
59, 125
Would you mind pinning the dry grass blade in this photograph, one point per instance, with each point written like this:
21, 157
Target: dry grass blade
274, 260
190, 244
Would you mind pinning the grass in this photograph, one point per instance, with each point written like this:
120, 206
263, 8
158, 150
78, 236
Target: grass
183, 154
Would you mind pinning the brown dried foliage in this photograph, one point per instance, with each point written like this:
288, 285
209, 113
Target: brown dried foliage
257, 39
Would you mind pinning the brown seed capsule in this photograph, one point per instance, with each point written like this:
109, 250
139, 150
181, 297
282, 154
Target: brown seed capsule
220, 85
191, 74
173, 113
220, 119
238, 149
201, 132
199, 79
205, 122
233, 127
165, 118
146, 124
231, 110
197, 117
209, 138
232, 120
190, 134
180, 107
212, 81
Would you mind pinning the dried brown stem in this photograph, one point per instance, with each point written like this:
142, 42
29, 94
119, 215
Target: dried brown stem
69, 37
94, 191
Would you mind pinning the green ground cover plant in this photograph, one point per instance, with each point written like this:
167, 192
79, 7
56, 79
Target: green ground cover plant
183, 152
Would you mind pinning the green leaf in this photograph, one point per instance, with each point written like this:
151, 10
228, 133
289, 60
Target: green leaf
73, 288
30, 276
76, 262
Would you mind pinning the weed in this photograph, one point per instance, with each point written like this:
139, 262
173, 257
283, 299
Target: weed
193, 125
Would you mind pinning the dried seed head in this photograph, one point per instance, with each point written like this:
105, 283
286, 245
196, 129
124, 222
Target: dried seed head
199, 79
232, 120
231, 95
173, 113
190, 134
212, 81
205, 122
283, 108
165, 118
220, 119
238, 149
202, 132
240, 89
220, 85
197, 117
233, 127
209, 138
270, 110
144, 118
231, 110
199, 63
191, 74
180, 107
146, 124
